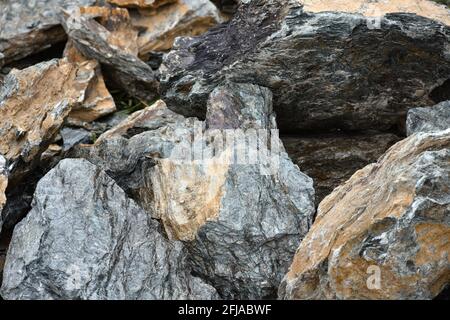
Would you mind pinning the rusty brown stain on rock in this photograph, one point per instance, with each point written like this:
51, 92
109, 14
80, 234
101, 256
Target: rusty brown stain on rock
141, 3
379, 8
386, 206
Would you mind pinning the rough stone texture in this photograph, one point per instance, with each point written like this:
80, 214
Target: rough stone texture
33, 105
31, 26
392, 215
331, 159
98, 101
327, 70
241, 227
74, 136
153, 4
430, 119
84, 239
158, 28
113, 42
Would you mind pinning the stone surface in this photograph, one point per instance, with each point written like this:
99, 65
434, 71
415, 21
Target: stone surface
331, 159
226, 6
153, 4
430, 119
241, 226
390, 219
84, 239
98, 101
31, 26
107, 36
158, 28
3, 185
327, 70
34, 103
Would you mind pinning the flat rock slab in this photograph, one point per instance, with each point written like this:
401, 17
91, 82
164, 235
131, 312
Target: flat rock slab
84, 239
384, 233
327, 70
28, 27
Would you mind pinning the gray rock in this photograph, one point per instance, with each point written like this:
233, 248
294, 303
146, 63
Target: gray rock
327, 70
241, 226
84, 239
227, 6
430, 119
113, 49
331, 159
73, 136
31, 26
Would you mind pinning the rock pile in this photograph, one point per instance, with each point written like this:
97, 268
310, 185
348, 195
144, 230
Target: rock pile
142, 158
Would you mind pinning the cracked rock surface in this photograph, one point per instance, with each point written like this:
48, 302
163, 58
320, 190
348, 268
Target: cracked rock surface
391, 218
327, 70
84, 239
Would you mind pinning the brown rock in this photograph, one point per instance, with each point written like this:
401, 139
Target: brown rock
160, 27
140, 3
3, 185
105, 35
34, 104
331, 159
385, 233
368, 8
98, 101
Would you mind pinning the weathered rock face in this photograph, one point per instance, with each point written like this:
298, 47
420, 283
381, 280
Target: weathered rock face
33, 105
331, 159
84, 239
327, 70
158, 28
3, 185
431, 119
389, 220
113, 42
241, 226
30, 26
98, 101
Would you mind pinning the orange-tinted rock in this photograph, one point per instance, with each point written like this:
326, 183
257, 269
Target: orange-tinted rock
34, 102
384, 234
98, 101
160, 27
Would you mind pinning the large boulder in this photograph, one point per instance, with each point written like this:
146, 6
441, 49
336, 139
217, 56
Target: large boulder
85, 239
327, 70
429, 119
34, 103
28, 27
384, 234
241, 221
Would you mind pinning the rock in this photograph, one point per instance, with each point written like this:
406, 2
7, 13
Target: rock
34, 102
384, 233
107, 248
153, 4
74, 136
98, 101
432, 119
114, 45
241, 224
327, 70
331, 159
31, 26
158, 28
